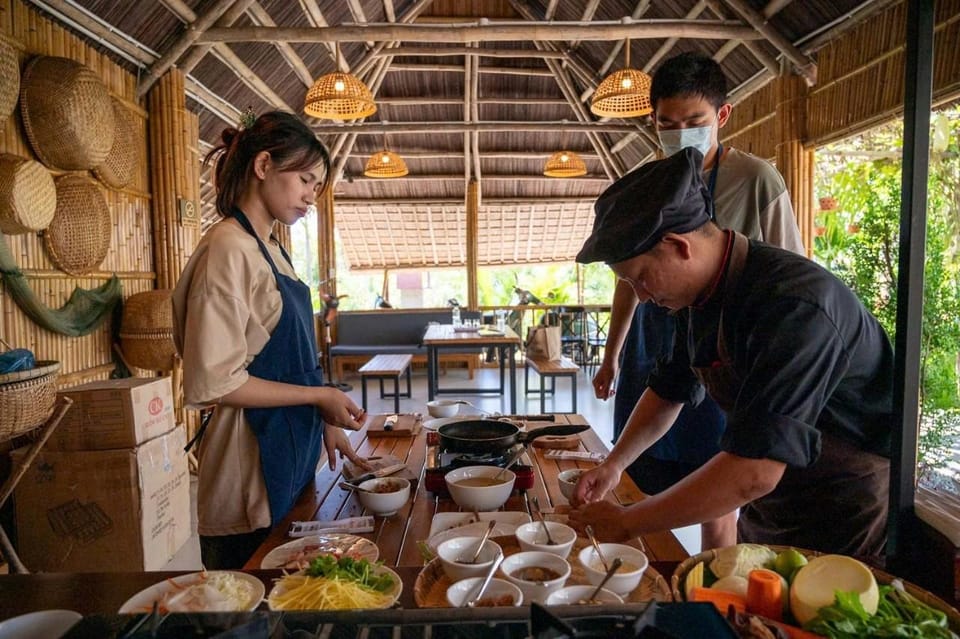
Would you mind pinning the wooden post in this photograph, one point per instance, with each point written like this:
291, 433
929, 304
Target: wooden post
473, 197
793, 160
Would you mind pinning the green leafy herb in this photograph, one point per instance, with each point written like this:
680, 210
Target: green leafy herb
899, 614
350, 569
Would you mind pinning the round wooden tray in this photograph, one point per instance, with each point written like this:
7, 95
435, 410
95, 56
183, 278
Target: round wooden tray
430, 588
882, 577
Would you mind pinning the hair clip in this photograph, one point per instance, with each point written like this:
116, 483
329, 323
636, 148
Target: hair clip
248, 118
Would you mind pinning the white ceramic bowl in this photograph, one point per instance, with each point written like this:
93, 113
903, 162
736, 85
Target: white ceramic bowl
479, 497
623, 582
49, 624
443, 407
573, 595
496, 588
386, 503
567, 480
463, 548
532, 537
537, 591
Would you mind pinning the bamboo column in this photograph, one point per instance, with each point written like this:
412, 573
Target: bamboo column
326, 251
473, 248
174, 177
793, 160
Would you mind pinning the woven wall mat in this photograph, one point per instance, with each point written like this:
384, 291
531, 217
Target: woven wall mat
9, 80
78, 238
430, 588
28, 196
67, 113
120, 166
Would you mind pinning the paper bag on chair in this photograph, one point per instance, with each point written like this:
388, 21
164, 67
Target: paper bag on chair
543, 342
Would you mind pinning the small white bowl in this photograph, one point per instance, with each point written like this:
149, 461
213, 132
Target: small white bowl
443, 407
459, 591
479, 497
567, 480
532, 537
387, 503
623, 582
573, 595
463, 548
537, 591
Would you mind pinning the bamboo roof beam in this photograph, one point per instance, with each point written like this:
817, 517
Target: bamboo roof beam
551, 9
389, 11
806, 67
249, 77
260, 16
638, 11
667, 46
490, 32
588, 12
432, 203
196, 53
187, 38
418, 102
211, 101
491, 155
518, 177
315, 17
358, 15
762, 56
468, 64
485, 53
475, 194
456, 68
487, 126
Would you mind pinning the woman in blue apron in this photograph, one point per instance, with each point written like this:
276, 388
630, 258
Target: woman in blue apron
245, 329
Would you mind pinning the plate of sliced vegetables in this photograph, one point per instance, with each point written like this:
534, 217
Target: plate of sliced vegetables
208, 591
336, 583
297, 554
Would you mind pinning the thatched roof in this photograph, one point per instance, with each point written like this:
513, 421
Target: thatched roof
481, 91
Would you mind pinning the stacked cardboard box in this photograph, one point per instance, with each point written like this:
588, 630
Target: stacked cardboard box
111, 490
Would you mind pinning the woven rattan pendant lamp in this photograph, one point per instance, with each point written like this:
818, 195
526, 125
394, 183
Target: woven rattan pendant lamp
339, 96
564, 164
385, 164
623, 94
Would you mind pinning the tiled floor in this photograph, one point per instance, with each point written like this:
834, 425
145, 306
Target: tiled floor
598, 413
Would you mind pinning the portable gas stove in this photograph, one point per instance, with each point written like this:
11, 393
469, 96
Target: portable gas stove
439, 462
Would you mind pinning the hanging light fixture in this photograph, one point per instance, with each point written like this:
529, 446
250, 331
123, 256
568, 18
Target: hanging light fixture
623, 94
385, 164
564, 164
339, 96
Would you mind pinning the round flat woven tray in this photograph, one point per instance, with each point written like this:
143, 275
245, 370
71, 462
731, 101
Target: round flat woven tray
67, 113
78, 238
28, 196
9, 80
430, 588
120, 166
882, 577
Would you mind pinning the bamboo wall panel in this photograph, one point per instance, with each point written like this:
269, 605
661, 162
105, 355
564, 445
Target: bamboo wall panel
131, 253
751, 126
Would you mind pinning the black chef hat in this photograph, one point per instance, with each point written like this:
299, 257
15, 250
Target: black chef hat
665, 196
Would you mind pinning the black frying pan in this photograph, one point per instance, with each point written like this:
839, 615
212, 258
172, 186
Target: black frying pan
490, 436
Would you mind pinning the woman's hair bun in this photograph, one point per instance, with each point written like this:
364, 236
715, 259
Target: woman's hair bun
229, 135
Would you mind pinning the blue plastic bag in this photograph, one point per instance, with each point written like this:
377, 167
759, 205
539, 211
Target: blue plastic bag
19, 359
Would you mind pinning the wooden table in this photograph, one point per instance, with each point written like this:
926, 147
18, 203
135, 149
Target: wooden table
442, 337
397, 536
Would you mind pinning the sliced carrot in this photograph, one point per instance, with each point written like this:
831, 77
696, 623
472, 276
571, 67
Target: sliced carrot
719, 598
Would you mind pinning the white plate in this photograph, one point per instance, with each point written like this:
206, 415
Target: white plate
449, 525
315, 545
393, 593
143, 600
50, 624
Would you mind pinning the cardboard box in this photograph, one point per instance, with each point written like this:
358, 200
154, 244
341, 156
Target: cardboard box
114, 414
104, 510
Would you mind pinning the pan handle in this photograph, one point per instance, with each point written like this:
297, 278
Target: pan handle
560, 431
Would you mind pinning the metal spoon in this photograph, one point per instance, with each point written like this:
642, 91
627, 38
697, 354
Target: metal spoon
543, 522
593, 540
349, 486
614, 567
510, 462
483, 540
470, 602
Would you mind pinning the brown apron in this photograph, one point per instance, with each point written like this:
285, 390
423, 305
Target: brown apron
838, 504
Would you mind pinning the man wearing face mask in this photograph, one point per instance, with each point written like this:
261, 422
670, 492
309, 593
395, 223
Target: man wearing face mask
689, 97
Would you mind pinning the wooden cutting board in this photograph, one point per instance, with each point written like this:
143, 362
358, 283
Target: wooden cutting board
557, 442
406, 426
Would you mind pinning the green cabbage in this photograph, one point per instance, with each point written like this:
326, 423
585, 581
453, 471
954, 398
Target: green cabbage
739, 560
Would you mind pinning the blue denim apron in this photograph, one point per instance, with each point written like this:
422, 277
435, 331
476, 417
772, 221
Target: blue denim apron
290, 436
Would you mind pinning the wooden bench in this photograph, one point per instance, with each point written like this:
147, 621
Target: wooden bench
386, 367
552, 369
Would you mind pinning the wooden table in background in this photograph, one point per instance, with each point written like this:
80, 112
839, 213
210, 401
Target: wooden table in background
397, 536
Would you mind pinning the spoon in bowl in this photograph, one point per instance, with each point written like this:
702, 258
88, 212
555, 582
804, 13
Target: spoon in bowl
543, 522
483, 540
596, 546
470, 602
614, 567
510, 462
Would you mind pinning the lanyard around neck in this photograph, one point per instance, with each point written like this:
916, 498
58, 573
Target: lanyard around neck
712, 182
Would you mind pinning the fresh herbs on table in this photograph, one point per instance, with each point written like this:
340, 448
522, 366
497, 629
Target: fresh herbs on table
345, 568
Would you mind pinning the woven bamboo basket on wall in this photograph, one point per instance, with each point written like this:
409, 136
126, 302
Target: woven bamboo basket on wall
9, 80
67, 113
120, 165
27, 398
28, 196
146, 330
78, 238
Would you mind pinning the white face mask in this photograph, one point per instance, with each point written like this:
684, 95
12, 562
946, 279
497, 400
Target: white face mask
674, 140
